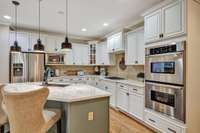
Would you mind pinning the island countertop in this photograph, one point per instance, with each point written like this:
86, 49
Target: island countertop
71, 93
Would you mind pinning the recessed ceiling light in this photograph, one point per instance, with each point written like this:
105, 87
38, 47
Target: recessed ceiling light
7, 17
105, 24
83, 29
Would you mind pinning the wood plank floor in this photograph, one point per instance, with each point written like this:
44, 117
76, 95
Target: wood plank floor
120, 123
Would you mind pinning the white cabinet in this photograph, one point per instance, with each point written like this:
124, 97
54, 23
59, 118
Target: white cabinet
80, 54
115, 43
173, 19
110, 87
136, 105
131, 100
50, 46
22, 38
166, 22
153, 26
53, 44
162, 123
135, 51
102, 55
122, 101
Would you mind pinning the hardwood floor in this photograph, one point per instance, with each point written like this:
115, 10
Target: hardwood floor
121, 123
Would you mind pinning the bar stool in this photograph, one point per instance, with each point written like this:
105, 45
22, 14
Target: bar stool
26, 112
3, 116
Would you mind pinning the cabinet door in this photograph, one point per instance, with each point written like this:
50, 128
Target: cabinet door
173, 19
22, 38
84, 54
153, 26
122, 100
59, 41
136, 105
76, 54
50, 45
140, 47
110, 44
69, 58
111, 87
99, 56
131, 45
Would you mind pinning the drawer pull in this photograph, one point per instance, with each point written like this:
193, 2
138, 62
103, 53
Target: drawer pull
135, 89
152, 120
171, 130
127, 94
121, 86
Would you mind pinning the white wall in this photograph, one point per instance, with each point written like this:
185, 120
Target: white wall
4, 54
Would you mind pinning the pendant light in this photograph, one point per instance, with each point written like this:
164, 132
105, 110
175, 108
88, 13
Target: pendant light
66, 45
39, 47
15, 47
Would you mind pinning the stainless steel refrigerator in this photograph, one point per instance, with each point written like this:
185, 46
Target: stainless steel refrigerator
26, 67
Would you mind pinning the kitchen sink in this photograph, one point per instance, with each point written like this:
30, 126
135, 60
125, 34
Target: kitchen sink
115, 78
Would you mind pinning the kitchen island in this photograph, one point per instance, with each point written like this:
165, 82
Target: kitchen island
85, 109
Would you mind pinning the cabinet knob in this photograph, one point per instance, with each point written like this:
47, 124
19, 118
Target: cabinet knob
136, 62
127, 94
113, 49
135, 89
161, 35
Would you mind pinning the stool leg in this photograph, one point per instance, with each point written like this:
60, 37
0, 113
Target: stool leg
59, 126
2, 129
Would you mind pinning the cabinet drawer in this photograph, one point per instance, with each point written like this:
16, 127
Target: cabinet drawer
123, 87
152, 120
138, 90
171, 128
162, 124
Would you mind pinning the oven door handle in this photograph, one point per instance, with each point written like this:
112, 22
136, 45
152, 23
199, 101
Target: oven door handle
164, 85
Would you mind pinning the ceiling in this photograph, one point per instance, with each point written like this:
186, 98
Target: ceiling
89, 14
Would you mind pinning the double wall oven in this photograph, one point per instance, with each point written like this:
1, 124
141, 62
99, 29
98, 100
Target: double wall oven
165, 80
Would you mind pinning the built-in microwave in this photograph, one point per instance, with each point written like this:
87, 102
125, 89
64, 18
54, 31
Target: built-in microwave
55, 58
165, 64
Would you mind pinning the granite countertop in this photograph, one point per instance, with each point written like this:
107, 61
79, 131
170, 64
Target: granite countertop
125, 81
71, 93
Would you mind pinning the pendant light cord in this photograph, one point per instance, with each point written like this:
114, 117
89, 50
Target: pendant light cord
16, 23
66, 18
39, 19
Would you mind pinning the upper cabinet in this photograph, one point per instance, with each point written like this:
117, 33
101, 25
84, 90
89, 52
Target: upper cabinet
166, 22
102, 55
115, 43
23, 40
53, 44
80, 54
135, 51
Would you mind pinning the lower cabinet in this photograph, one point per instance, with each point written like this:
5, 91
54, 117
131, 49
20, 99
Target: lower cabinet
122, 99
131, 100
110, 87
136, 105
162, 124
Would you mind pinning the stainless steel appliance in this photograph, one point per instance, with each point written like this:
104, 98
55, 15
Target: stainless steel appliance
165, 80
26, 67
166, 63
166, 99
55, 58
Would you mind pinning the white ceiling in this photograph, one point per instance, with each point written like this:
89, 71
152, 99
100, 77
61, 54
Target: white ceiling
89, 14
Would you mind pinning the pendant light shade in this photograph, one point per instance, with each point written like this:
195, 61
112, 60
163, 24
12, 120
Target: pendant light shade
15, 47
66, 45
39, 47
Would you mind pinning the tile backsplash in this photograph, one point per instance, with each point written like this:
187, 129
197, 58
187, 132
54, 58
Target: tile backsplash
130, 72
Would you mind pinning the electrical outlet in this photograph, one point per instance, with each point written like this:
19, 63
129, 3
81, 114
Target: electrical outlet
90, 116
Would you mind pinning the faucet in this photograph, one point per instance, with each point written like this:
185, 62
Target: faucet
46, 75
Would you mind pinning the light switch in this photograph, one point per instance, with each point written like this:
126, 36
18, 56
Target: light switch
90, 116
